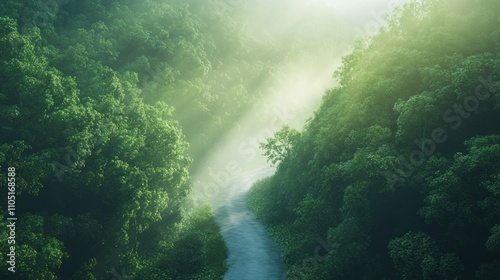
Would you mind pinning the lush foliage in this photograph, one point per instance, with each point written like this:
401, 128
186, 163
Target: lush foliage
397, 174
279, 147
95, 99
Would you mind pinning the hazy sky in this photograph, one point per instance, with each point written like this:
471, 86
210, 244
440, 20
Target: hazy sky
355, 6
331, 21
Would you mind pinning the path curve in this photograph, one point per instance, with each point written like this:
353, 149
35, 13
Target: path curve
252, 253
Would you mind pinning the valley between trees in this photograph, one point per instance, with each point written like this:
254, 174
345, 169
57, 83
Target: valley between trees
109, 110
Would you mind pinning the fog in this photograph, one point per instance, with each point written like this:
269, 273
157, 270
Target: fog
320, 33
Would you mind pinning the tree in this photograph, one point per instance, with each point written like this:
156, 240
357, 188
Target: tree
280, 145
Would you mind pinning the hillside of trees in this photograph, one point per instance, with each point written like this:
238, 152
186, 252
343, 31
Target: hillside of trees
98, 101
109, 107
397, 175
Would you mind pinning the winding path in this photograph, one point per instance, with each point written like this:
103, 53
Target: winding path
252, 253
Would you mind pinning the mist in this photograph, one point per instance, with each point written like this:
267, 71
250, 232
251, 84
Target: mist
318, 33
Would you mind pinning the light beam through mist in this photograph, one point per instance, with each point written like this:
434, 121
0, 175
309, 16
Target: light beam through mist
320, 33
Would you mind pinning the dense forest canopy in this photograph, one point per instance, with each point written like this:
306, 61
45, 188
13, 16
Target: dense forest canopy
397, 174
92, 97
108, 107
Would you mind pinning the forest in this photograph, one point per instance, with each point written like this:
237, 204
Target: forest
104, 104
110, 108
397, 174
